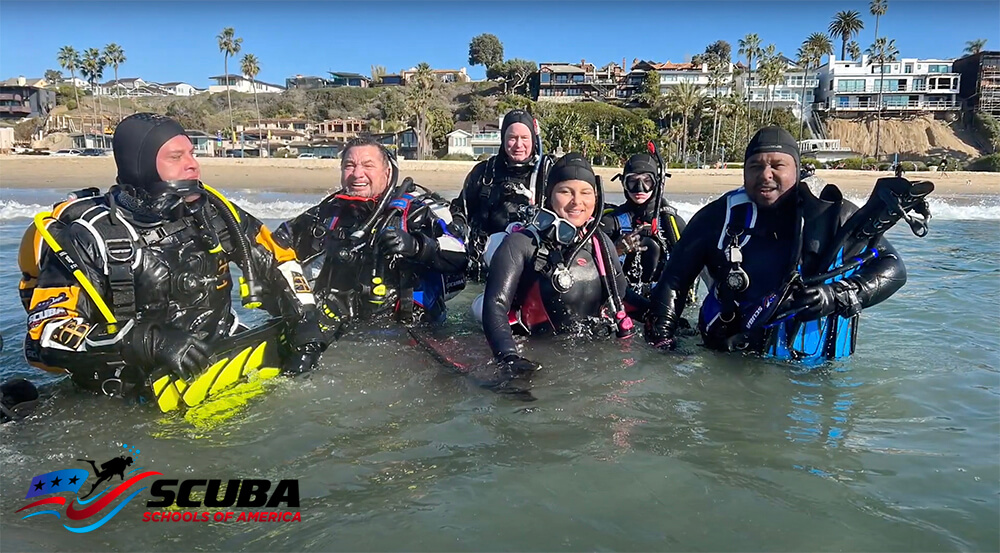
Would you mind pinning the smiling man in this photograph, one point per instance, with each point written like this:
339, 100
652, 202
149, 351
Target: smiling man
756, 243
375, 248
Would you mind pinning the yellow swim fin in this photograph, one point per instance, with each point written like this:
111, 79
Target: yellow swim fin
231, 373
198, 390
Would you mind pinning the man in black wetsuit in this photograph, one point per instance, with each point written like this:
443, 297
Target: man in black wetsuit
142, 284
643, 241
758, 242
559, 274
378, 247
498, 191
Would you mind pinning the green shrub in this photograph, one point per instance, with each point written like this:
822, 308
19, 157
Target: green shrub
886, 166
990, 163
458, 157
734, 165
807, 160
853, 163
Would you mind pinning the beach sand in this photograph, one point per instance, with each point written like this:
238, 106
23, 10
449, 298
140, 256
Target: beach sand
320, 176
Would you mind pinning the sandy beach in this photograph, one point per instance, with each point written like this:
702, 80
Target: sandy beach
321, 175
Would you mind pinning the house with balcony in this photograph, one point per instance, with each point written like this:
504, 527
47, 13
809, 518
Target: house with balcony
340, 130
303, 82
178, 88
342, 78
403, 142
980, 81
475, 138
18, 99
566, 83
909, 85
673, 74
239, 83
786, 94
393, 79
443, 75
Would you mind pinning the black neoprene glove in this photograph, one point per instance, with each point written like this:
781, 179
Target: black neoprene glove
150, 346
309, 341
816, 302
516, 366
398, 241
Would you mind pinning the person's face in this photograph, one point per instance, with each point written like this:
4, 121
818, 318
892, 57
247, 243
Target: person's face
574, 201
364, 172
639, 187
768, 177
517, 142
176, 161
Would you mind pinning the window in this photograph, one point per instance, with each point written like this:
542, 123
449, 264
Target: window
545, 77
908, 68
938, 68
851, 85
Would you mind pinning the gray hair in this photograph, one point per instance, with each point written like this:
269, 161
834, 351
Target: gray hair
366, 140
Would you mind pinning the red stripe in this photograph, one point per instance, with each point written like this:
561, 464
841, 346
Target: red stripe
59, 500
72, 513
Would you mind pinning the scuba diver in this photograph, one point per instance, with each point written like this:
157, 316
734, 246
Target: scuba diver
378, 246
109, 469
643, 240
791, 271
133, 287
557, 274
502, 189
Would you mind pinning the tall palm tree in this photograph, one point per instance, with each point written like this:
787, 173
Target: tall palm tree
229, 45
768, 76
975, 46
250, 67
854, 49
69, 59
750, 47
811, 55
418, 101
92, 68
882, 51
684, 98
114, 56
845, 25
878, 9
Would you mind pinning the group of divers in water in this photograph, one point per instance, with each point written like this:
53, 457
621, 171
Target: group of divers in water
129, 291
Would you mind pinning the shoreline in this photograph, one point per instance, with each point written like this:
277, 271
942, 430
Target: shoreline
446, 177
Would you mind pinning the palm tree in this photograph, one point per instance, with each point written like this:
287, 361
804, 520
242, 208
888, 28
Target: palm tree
878, 9
69, 60
845, 25
750, 47
92, 68
114, 56
229, 46
811, 54
418, 101
884, 51
975, 46
770, 71
684, 98
854, 49
250, 67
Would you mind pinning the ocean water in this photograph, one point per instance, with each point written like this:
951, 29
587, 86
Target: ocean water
625, 449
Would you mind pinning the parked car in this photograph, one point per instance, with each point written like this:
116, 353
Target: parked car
94, 152
68, 152
308, 156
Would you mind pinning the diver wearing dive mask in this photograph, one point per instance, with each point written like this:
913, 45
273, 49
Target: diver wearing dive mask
558, 274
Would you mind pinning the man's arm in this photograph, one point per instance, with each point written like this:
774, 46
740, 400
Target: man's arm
461, 206
440, 244
501, 288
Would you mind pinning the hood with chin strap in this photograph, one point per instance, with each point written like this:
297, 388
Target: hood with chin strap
525, 118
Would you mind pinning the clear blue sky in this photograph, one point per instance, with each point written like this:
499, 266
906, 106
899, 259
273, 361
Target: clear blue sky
175, 40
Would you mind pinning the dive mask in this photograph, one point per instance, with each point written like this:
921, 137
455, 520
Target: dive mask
636, 183
553, 227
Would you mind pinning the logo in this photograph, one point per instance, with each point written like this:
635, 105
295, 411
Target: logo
99, 500
82, 508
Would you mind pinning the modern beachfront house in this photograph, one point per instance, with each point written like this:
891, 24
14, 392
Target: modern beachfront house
784, 95
340, 130
239, 83
909, 85
673, 74
475, 138
560, 82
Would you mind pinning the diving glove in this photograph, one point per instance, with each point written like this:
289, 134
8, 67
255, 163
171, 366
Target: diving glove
815, 302
517, 366
150, 346
399, 242
304, 360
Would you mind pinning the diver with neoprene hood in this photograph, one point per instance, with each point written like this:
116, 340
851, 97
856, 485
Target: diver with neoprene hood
790, 272
557, 274
133, 287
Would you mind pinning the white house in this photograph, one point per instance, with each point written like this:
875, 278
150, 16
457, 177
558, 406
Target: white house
909, 85
475, 138
177, 88
786, 94
672, 75
123, 87
239, 83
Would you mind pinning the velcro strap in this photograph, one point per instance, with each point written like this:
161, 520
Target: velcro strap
121, 253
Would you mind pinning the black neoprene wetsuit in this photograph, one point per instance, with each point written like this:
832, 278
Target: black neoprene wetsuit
513, 282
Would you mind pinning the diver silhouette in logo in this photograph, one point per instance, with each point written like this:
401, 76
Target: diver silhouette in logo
108, 470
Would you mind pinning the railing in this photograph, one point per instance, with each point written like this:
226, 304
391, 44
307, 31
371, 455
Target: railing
911, 104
